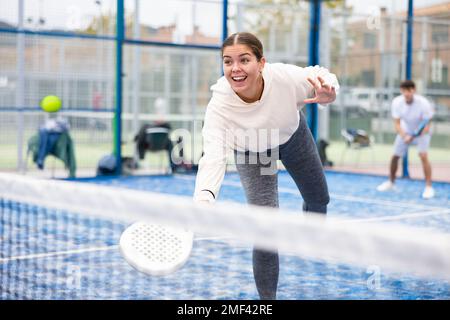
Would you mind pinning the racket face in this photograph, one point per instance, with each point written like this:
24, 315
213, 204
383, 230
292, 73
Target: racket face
154, 249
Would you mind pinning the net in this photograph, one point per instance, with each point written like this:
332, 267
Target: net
59, 240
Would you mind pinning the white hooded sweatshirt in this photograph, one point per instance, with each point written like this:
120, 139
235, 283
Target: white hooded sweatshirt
232, 124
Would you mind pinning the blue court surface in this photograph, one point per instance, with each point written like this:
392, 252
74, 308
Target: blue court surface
46, 254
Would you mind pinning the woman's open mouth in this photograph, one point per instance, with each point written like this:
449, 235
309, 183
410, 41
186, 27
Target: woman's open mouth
239, 78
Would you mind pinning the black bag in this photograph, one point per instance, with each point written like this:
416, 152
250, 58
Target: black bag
107, 165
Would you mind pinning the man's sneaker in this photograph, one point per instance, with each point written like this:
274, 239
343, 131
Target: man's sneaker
428, 192
386, 186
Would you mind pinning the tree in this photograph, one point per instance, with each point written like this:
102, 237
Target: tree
102, 24
280, 16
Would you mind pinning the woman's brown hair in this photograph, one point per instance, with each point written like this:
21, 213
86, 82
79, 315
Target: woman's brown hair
247, 39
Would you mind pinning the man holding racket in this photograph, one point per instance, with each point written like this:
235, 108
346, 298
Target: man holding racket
412, 115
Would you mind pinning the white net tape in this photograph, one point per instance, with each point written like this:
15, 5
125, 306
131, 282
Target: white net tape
394, 248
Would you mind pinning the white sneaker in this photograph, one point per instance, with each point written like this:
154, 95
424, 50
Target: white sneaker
428, 192
386, 186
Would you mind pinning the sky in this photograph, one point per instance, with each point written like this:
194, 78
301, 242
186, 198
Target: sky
399, 5
73, 14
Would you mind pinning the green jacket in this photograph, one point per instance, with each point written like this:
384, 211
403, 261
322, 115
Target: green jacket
63, 150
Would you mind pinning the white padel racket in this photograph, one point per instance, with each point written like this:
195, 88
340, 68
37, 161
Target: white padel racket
154, 249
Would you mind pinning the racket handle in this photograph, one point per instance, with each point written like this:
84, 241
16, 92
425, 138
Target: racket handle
419, 129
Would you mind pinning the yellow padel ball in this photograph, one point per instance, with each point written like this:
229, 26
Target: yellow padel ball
51, 104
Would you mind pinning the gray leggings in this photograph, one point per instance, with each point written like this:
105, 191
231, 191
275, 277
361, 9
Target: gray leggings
300, 157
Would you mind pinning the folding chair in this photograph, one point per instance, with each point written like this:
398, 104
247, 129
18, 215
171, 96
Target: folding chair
358, 140
155, 139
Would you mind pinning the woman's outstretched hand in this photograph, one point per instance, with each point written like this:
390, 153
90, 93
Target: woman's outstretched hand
324, 93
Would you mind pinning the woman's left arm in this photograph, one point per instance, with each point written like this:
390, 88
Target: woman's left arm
324, 85
313, 84
323, 92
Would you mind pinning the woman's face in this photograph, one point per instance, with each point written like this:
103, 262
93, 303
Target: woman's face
243, 71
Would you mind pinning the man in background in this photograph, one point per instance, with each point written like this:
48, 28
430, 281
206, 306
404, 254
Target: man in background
412, 115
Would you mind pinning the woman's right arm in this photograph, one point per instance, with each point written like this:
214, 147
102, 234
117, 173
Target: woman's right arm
212, 165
